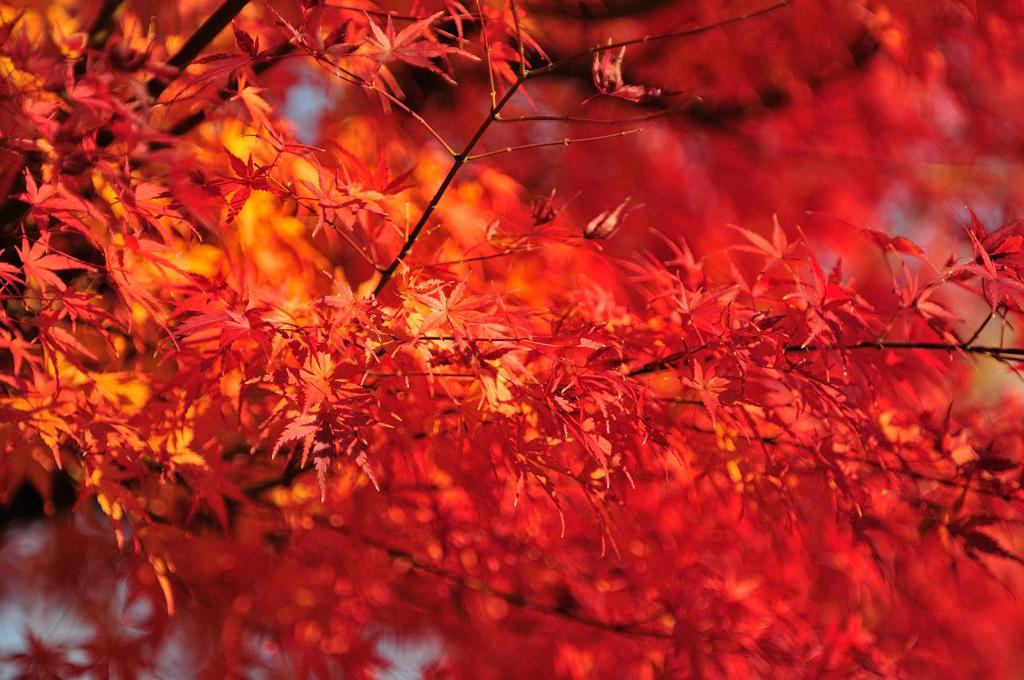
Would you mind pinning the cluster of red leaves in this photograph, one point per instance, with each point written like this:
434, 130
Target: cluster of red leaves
322, 392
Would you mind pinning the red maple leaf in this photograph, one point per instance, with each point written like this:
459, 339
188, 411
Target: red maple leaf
462, 311
42, 265
411, 45
708, 386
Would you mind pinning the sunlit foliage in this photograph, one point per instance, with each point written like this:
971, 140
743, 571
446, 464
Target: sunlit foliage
622, 339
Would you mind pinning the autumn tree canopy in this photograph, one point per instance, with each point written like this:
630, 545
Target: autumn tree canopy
604, 339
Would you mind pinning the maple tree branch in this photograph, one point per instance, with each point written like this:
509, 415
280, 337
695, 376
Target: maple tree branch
99, 32
103, 24
460, 159
566, 141
452, 338
292, 471
659, 364
197, 42
986, 350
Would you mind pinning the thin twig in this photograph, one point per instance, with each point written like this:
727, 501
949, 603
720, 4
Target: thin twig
358, 80
421, 374
685, 32
931, 346
593, 121
383, 13
566, 141
477, 258
519, 40
416, 116
976, 333
452, 338
493, 91
986, 350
